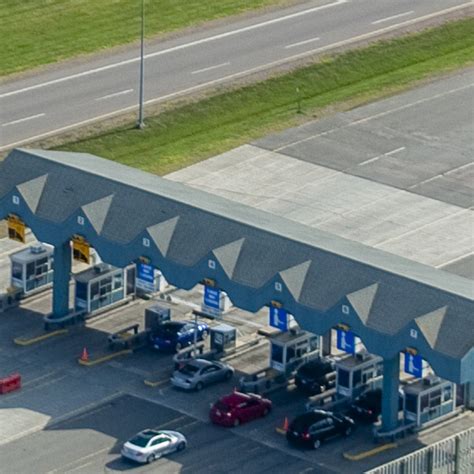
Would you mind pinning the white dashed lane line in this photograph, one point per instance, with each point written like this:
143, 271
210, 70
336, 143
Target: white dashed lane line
14, 122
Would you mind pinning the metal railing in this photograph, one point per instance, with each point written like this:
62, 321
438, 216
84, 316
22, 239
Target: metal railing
453, 455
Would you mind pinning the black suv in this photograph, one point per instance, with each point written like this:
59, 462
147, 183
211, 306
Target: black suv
316, 376
311, 428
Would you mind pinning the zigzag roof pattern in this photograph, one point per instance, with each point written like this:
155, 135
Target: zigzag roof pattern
252, 247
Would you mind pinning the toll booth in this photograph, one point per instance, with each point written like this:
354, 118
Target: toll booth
358, 373
102, 285
223, 337
428, 399
32, 268
292, 348
156, 315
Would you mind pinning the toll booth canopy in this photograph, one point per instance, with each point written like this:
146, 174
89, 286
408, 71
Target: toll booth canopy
357, 373
102, 285
32, 268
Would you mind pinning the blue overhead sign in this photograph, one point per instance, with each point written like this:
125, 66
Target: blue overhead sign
279, 318
212, 297
145, 279
346, 341
414, 365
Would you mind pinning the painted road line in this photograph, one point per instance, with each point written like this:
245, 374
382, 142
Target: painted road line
300, 43
105, 358
115, 94
389, 153
199, 71
370, 452
156, 383
449, 262
14, 122
88, 456
177, 48
21, 341
172, 422
393, 17
262, 67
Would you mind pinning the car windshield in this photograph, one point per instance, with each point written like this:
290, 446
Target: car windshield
370, 400
168, 331
312, 369
189, 369
222, 406
302, 423
140, 441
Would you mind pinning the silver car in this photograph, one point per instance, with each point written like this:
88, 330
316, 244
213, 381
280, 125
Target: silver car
149, 445
199, 372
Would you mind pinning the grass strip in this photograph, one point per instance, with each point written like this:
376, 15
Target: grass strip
185, 135
38, 32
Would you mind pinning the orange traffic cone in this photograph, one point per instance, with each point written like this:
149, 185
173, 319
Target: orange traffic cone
85, 355
284, 428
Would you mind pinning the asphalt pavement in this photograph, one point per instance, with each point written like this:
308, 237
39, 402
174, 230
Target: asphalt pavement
79, 92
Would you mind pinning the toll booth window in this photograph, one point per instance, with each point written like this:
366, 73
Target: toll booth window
435, 399
313, 343
81, 290
30, 270
410, 402
118, 281
447, 393
424, 402
17, 270
94, 291
277, 353
290, 353
356, 378
343, 378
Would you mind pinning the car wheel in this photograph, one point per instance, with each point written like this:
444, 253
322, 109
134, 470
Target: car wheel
316, 443
181, 446
178, 346
150, 458
228, 375
199, 386
236, 422
348, 431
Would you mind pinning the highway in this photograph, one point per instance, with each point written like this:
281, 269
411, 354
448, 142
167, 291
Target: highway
79, 92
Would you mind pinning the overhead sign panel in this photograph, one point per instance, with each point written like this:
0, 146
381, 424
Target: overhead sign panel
212, 297
279, 318
16, 228
346, 341
414, 364
80, 249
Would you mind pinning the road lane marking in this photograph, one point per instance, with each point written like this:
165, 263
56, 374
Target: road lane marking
199, 71
179, 47
83, 458
388, 18
459, 168
14, 122
115, 94
300, 43
389, 153
233, 76
78, 468
449, 262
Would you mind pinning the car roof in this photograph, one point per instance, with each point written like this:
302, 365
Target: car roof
235, 398
200, 363
149, 433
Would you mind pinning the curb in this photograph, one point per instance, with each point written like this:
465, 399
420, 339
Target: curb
370, 452
20, 341
90, 363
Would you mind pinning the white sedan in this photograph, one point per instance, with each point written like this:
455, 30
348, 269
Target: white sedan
149, 445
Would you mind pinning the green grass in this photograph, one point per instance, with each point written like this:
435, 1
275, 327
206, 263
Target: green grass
179, 137
37, 32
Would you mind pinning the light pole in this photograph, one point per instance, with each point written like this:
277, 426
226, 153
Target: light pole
140, 122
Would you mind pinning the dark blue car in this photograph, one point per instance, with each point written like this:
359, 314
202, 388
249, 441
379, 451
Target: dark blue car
175, 335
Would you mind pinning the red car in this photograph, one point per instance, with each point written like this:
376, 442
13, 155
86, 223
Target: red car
237, 408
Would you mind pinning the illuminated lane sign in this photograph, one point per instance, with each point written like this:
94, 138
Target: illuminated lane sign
80, 249
414, 364
16, 228
346, 341
279, 318
212, 297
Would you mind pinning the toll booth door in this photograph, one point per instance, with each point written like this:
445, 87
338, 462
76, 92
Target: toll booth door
131, 274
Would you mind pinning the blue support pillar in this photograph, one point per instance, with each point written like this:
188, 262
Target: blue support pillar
62, 274
391, 380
